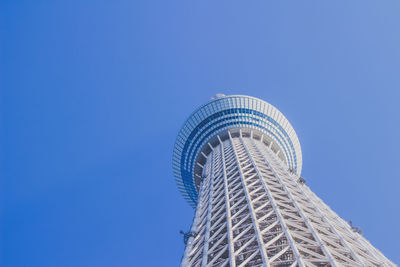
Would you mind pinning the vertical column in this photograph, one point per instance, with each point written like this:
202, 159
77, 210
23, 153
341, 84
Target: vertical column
216, 250
190, 249
261, 246
208, 218
228, 208
279, 215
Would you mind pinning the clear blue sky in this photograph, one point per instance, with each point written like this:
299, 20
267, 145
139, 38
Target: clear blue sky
93, 94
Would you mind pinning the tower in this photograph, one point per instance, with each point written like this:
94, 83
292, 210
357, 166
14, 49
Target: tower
237, 160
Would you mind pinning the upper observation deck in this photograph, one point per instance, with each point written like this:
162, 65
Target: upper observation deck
223, 113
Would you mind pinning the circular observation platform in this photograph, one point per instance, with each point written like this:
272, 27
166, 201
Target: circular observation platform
230, 113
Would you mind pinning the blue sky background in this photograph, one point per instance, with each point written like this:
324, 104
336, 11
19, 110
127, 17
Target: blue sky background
93, 94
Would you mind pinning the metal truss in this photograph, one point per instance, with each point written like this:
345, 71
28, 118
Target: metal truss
253, 211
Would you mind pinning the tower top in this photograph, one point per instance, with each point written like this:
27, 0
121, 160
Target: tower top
223, 113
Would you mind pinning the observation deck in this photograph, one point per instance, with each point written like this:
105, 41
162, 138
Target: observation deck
230, 113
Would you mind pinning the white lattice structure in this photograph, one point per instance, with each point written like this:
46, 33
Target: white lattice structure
252, 206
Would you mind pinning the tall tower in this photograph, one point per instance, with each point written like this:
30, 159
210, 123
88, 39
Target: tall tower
238, 160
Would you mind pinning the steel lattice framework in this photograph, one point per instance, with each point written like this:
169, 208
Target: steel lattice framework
254, 209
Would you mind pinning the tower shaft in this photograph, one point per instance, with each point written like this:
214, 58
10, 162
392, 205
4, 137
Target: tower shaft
254, 211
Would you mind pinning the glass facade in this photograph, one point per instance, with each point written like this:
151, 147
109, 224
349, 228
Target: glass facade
224, 113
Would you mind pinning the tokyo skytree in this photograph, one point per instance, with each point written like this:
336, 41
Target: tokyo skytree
237, 160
